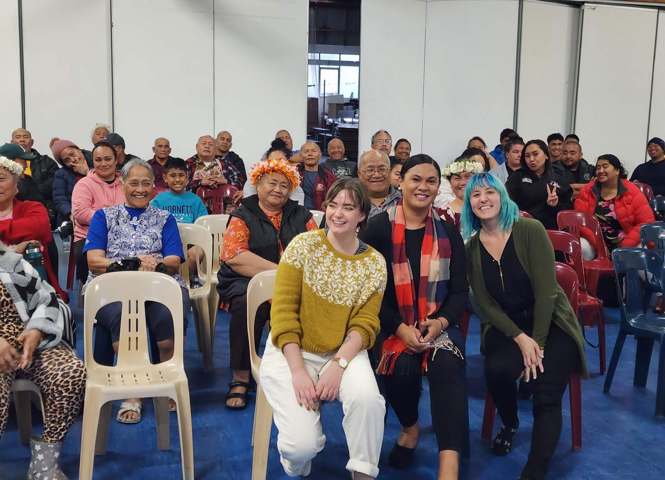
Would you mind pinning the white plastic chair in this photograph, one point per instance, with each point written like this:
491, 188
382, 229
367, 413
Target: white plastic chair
199, 297
134, 376
21, 388
260, 289
318, 216
216, 224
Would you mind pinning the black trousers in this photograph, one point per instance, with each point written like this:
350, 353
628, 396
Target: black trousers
445, 373
238, 338
503, 366
81, 261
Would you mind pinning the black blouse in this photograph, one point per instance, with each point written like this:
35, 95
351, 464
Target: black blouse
379, 235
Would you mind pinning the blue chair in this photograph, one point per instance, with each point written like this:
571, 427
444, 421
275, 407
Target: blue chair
647, 329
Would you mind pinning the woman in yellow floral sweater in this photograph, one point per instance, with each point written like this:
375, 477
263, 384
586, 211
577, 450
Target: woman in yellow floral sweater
324, 318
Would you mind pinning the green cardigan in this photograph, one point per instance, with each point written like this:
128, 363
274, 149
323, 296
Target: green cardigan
536, 255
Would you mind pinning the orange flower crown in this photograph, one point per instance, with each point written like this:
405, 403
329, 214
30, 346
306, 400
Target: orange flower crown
282, 166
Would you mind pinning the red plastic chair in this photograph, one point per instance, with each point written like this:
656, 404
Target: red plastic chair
157, 190
525, 214
645, 189
573, 221
218, 200
592, 311
567, 278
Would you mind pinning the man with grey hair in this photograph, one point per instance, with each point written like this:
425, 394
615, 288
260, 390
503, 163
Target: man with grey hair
209, 170
374, 172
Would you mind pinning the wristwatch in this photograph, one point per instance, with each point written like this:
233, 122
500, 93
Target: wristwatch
342, 362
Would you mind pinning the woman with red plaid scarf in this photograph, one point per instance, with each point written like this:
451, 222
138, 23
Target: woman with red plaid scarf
425, 299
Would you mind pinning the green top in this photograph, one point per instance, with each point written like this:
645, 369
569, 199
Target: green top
536, 255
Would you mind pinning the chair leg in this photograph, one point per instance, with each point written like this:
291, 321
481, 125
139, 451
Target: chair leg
161, 406
185, 430
575, 391
616, 353
602, 344
488, 419
91, 417
660, 389
103, 428
262, 440
23, 415
642, 361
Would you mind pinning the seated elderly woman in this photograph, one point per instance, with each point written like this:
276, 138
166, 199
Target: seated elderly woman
31, 328
26, 222
257, 234
74, 168
149, 236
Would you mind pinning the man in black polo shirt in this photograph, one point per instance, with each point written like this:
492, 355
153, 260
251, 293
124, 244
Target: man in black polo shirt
653, 172
578, 170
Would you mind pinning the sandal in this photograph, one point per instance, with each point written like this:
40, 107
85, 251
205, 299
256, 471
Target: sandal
241, 395
129, 407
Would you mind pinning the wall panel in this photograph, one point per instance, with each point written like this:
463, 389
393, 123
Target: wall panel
163, 73
67, 69
392, 46
10, 66
615, 82
260, 72
469, 74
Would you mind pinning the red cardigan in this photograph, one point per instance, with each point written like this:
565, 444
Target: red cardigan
30, 221
631, 206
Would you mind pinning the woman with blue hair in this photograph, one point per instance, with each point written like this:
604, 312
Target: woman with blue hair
529, 328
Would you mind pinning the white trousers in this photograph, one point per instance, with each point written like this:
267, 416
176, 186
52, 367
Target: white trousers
300, 434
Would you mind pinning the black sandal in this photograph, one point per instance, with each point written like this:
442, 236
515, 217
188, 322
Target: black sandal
241, 395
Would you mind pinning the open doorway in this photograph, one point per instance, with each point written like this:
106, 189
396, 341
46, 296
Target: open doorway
333, 74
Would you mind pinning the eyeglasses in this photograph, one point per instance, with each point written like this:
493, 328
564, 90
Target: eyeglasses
381, 141
371, 171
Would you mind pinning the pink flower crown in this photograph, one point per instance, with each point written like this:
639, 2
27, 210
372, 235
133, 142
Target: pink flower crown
282, 166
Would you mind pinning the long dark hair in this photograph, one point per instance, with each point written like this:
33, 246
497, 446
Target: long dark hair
548, 174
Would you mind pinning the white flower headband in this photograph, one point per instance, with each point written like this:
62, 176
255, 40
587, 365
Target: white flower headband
13, 167
456, 168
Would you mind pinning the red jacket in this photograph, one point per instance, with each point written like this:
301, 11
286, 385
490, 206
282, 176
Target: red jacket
30, 221
631, 206
323, 183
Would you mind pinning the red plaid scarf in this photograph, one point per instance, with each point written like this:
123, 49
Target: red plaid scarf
432, 284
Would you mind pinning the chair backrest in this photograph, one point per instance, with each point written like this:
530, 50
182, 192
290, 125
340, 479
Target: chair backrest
631, 266
651, 233
658, 206
216, 225
572, 221
570, 246
199, 236
566, 277
219, 200
525, 214
133, 290
157, 190
261, 288
318, 216
645, 189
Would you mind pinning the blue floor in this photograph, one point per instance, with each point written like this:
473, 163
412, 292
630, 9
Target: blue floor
621, 437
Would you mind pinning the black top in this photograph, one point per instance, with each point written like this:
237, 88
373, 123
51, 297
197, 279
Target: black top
379, 235
513, 292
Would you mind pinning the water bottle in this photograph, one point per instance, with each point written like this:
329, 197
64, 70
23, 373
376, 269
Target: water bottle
35, 258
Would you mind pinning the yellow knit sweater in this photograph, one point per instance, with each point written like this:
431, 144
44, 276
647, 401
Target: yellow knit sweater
321, 295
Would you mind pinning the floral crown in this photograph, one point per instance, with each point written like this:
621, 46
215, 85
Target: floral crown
13, 167
282, 166
456, 168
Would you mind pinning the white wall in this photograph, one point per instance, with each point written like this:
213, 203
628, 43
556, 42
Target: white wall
10, 79
67, 69
163, 73
469, 74
547, 69
657, 124
615, 82
392, 46
260, 72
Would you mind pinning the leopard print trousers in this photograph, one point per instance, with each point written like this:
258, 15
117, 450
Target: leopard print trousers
58, 373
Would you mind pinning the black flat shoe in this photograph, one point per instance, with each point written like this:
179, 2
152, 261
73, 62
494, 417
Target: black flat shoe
241, 395
400, 457
503, 442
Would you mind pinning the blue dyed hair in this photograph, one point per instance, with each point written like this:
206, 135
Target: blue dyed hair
508, 214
